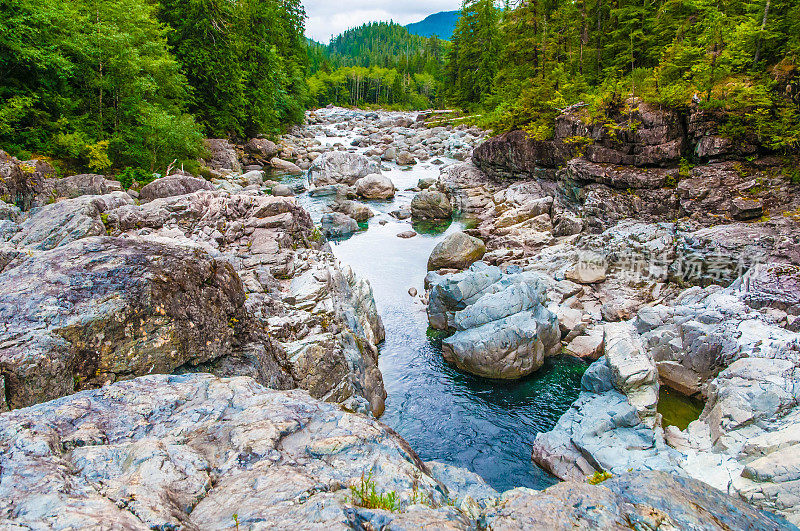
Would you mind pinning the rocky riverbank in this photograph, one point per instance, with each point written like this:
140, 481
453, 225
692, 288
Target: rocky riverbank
191, 354
673, 275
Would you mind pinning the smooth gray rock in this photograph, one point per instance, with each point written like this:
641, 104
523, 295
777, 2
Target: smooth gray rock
173, 185
456, 251
66, 221
503, 330
282, 190
431, 205
358, 211
146, 453
285, 166
337, 225
338, 167
85, 184
375, 186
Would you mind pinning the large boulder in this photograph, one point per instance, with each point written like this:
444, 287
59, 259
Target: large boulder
457, 251
375, 186
104, 309
321, 315
26, 184
85, 184
502, 328
337, 225
358, 211
173, 185
431, 205
261, 149
222, 155
66, 221
651, 499
145, 454
285, 166
340, 167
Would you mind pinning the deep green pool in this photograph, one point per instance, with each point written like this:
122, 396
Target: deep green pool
677, 409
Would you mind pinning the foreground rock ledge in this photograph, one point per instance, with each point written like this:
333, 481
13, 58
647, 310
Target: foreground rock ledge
192, 451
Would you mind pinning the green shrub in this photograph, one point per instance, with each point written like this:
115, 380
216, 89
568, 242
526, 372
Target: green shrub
129, 176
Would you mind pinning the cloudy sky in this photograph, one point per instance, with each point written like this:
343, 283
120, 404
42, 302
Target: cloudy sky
327, 18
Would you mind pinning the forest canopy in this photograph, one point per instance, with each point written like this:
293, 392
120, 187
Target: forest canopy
102, 85
379, 64
98, 84
521, 62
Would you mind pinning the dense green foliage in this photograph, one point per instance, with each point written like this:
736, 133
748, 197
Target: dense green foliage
245, 60
98, 84
92, 83
521, 63
379, 64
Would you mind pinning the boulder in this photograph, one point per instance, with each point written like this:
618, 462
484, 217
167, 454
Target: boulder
456, 251
404, 158
375, 186
66, 221
282, 190
103, 309
426, 182
589, 347
431, 205
358, 211
340, 167
321, 315
284, 166
743, 209
26, 184
85, 184
589, 271
261, 148
337, 225
173, 185
222, 155
404, 212
143, 454
502, 328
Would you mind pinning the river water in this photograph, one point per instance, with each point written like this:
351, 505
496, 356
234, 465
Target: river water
446, 415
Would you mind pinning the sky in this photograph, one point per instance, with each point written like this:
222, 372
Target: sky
327, 18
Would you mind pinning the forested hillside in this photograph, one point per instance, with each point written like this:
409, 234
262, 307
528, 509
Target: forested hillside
739, 57
101, 84
380, 64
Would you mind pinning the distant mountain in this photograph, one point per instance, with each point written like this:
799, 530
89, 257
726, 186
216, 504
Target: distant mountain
440, 24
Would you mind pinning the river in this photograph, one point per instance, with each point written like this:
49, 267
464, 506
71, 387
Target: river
486, 426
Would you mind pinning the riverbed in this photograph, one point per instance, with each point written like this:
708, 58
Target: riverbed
446, 415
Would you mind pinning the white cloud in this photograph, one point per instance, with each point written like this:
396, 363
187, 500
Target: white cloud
327, 18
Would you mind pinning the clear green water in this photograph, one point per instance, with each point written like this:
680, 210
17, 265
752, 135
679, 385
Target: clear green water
677, 409
446, 415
